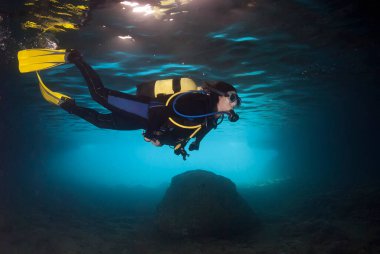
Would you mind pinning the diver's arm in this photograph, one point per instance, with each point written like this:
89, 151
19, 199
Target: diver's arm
201, 134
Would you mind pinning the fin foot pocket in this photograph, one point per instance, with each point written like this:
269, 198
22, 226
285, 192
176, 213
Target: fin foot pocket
67, 104
49, 95
72, 55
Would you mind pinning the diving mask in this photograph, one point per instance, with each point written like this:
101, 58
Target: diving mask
233, 97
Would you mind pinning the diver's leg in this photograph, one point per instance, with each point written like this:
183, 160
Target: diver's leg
104, 121
113, 100
97, 90
124, 105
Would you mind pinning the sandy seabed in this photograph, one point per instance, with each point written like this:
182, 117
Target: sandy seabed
333, 222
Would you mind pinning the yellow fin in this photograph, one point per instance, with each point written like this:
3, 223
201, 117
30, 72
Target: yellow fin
49, 95
40, 59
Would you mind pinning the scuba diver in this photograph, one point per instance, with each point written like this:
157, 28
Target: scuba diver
171, 112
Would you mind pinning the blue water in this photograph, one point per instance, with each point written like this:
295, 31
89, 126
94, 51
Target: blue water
296, 65
307, 72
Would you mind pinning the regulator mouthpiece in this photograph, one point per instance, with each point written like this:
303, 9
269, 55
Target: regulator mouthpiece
232, 116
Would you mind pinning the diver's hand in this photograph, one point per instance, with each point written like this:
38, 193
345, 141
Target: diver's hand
156, 142
153, 141
194, 146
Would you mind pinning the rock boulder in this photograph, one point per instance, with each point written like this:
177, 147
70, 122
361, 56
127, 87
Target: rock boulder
200, 203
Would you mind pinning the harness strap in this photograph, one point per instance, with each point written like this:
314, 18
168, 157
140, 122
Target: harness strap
196, 127
176, 85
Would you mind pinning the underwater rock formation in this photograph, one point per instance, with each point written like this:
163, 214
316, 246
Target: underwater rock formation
199, 203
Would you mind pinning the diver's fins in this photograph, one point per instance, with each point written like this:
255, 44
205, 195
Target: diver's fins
40, 59
50, 96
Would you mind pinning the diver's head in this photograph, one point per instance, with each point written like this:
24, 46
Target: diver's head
224, 95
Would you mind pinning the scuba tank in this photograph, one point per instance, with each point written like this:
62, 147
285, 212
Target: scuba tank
159, 88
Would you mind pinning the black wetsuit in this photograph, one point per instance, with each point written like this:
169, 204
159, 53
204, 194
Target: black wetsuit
192, 104
131, 112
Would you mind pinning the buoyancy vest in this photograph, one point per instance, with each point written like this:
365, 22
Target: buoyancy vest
161, 89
